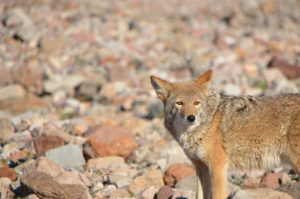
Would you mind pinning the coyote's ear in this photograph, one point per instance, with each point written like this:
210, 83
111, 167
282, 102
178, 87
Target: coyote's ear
161, 87
205, 77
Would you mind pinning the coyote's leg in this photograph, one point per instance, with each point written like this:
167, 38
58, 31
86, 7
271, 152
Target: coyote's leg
204, 187
294, 143
218, 176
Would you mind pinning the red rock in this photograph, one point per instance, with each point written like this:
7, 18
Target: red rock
289, 70
30, 76
164, 192
18, 106
8, 173
271, 180
44, 143
176, 172
109, 140
17, 156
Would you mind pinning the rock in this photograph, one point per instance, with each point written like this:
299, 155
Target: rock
4, 187
48, 166
32, 196
183, 194
6, 128
289, 70
69, 83
17, 17
177, 172
149, 193
87, 90
105, 162
156, 109
14, 91
140, 183
292, 189
187, 183
232, 89
44, 186
6, 172
18, 157
271, 180
45, 143
108, 140
119, 193
107, 191
30, 75
8, 149
68, 177
119, 179
260, 194
68, 156
26, 167
165, 192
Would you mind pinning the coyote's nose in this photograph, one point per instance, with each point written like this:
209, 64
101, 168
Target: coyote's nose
191, 118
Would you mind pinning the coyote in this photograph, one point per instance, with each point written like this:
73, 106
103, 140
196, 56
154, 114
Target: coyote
219, 132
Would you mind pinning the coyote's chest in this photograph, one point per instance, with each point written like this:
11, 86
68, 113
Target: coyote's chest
191, 140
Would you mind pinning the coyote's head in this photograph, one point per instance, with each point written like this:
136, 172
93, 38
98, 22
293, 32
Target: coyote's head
186, 103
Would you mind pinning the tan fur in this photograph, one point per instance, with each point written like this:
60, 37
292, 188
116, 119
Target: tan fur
229, 132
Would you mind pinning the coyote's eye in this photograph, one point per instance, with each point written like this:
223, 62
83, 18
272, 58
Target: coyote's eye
196, 103
179, 103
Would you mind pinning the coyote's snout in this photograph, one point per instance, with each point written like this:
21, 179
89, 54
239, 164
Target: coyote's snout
218, 132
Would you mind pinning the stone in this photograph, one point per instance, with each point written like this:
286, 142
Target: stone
292, 189
6, 172
4, 187
68, 156
18, 157
187, 183
31, 74
9, 149
9, 92
107, 191
69, 83
44, 143
68, 177
119, 179
48, 166
177, 172
150, 178
105, 162
32, 196
261, 193
17, 17
87, 90
271, 180
120, 193
289, 70
109, 140
6, 128
149, 193
164, 192
21, 139
44, 186
26, 167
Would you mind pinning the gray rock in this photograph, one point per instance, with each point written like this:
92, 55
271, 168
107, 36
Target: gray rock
68, 156
293, 189
188, 183
242, 194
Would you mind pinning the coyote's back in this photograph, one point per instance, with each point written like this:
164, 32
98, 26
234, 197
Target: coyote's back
261, 132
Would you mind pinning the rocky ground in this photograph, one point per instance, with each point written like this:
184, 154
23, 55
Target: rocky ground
79, 118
